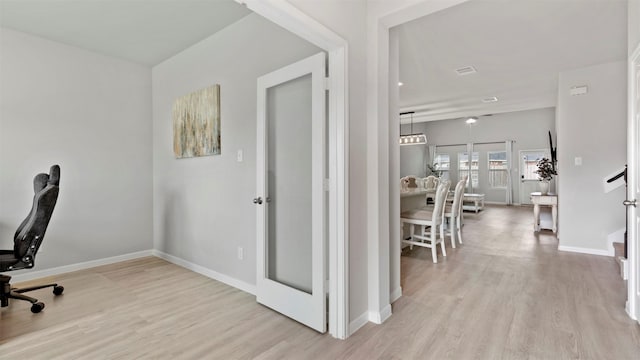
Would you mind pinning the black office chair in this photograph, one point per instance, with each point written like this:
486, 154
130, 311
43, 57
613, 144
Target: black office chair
28, 238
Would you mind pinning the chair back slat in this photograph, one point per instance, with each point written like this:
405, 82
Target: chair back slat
457, 198
430, 182
441, 197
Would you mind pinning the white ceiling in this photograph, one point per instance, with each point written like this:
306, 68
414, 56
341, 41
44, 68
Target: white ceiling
517, 46
143, 31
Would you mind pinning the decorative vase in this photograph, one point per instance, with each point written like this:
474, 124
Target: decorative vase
544, 187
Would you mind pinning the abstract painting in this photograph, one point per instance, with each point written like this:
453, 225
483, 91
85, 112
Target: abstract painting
196, 123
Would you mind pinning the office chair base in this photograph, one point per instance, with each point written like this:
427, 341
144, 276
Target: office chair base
7, 292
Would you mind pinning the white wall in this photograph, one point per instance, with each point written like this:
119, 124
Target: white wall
413, 157
634, 25
593, 127
90, 114
529, 129
203, 208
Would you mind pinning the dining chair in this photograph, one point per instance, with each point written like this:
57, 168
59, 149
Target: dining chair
411, 181
453, 214
430, 221
430, 182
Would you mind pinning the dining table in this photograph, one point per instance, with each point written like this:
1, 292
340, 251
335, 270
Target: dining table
414, 198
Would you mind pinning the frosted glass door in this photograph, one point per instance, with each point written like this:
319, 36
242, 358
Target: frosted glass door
290, 193
289, 202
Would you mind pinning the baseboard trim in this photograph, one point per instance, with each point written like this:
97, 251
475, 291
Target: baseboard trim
378, 317
584, 250
495, 203
395, 294
359, 322
233, 282
31, 275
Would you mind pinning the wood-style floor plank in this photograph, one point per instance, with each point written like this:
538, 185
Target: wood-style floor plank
506, 293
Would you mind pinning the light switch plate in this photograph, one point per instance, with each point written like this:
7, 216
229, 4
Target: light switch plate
240, 156
578, 161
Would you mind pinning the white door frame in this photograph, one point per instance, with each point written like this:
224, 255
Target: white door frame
382, 16
383, 191
297, 22
633, 250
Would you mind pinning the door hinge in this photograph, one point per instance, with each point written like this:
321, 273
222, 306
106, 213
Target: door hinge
326, 184
327, 83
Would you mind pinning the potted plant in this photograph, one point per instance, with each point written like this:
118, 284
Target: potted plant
545, 174
433, 170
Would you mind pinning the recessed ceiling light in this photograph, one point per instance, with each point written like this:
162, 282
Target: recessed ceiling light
471, 120
400, 83
490, 99
466, 70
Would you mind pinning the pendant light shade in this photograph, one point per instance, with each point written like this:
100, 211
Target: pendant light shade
412, 138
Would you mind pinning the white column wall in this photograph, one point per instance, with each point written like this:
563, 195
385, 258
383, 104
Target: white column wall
347, 19
634, 25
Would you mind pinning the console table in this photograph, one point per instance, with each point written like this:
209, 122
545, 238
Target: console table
545, 200
473, 202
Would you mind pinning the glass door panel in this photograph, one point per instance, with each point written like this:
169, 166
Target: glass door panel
289, 203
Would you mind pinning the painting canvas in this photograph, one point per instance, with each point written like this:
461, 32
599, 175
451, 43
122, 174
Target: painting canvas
196, 123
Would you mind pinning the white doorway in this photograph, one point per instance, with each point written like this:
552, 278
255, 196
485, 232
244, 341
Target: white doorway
633, 188
292, 19
528, 178
291, 202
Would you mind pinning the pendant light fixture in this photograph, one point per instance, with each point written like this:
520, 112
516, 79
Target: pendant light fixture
411, 139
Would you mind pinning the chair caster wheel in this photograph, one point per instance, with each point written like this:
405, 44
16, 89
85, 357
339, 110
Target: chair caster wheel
57, 290
37, 307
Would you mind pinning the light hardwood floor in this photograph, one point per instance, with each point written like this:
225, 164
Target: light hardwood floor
506, 293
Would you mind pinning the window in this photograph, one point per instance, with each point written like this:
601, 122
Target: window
442, 164
463, 167
498, 171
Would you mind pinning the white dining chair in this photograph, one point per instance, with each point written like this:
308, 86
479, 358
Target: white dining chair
430, 222
453, 214
412, 181
430, 182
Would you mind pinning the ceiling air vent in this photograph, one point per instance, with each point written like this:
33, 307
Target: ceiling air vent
467, 70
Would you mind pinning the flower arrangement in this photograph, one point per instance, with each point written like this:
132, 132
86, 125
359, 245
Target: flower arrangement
545, 169
434, 171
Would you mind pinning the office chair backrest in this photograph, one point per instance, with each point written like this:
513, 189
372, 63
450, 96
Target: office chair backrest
30, 233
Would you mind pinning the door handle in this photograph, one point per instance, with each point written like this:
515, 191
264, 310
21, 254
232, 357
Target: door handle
629, 203
257, 200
